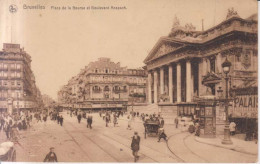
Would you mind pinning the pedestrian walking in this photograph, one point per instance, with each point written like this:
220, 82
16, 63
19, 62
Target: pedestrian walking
7, 130
79, 118
197, 129
232, 127
129, 119
162, 123
39, 118
45, 118
176, 121
89, 122
107, 120
162, 135
135, 146
51, 156
2, 121
61, 120
115, 120
84, 115
58, 119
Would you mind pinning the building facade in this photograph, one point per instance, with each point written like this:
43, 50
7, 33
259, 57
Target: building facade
17, 82
105, 84
47, 100
186, 64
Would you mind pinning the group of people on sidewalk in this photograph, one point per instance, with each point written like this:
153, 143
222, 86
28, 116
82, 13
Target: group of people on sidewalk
56, 116
11, 124
106, 115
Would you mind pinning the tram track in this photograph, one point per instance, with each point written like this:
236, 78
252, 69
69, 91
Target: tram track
175, 156
114, 141
183, 140
93, 143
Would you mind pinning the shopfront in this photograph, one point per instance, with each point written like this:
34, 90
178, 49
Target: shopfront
244, 111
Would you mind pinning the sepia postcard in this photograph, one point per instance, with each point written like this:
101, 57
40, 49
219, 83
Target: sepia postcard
125, 81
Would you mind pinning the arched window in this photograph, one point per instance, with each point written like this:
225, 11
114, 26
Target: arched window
106, 88
125, 88
96, 88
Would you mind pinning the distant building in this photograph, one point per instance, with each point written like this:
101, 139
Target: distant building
104, 84
17, 82
47, 100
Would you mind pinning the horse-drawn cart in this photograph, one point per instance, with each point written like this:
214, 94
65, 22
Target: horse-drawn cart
151, 128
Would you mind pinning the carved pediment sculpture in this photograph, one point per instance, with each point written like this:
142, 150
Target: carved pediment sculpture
190, 27
231, 13
164, 49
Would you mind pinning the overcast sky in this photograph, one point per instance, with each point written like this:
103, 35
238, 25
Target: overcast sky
62, 42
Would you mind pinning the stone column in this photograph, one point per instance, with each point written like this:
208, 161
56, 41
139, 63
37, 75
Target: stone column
178, 82
192, 82
155, 75
170, 84
161, 81
188, 81
149, 87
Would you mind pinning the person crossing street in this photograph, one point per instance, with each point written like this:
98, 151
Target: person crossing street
135, 145
89, 122
79, 118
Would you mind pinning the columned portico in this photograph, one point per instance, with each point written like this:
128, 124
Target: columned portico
155, 75
178, 82
170, 84
188, 81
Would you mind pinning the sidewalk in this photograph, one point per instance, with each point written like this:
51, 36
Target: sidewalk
248, 147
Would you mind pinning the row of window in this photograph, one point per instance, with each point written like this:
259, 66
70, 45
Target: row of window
126, 79
10, 83
12, 74
118, 72
5, 94
106, 88
12, 65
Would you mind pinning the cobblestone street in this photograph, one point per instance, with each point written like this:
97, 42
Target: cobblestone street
74, 142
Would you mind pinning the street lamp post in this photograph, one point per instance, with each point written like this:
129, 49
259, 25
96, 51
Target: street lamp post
226, 69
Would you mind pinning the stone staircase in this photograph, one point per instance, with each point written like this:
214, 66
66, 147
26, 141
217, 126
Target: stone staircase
147, 109
169, 113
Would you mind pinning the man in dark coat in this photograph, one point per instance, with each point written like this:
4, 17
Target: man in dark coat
2, 123
176, 121
79, 118
51, 156
162, 123
89, 122
107, 120
61, 120
135, 145
58, 119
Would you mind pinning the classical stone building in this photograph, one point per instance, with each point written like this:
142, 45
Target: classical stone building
186, 64
104, 84
18, 90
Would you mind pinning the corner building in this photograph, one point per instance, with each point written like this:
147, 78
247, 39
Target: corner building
18, 90
104, 84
